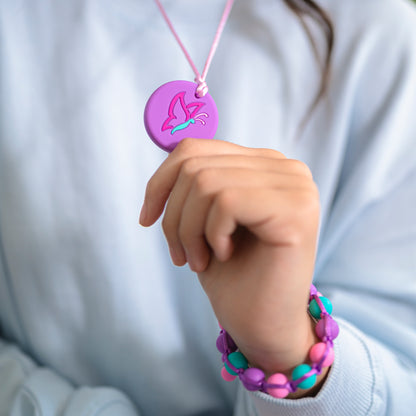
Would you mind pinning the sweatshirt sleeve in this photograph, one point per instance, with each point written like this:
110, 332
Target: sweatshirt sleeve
29, 390
366, 262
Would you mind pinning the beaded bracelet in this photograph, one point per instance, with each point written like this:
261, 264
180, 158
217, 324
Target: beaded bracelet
304, 375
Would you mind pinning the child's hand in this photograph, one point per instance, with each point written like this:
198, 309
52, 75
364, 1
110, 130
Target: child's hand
246, 220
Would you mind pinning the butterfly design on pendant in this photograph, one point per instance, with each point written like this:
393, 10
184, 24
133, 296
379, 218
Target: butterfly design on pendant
182, 115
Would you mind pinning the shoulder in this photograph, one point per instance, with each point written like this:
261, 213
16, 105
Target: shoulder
394, 15
383, 23
372, 88
375, 44
374, 55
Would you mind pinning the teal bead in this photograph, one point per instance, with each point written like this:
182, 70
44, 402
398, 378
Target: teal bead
315, 310
299, 372
237, 360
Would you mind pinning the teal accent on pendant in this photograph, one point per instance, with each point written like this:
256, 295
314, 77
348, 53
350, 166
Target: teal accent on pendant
183, 125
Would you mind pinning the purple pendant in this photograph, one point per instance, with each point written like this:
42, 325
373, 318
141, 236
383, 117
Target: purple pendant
173, 112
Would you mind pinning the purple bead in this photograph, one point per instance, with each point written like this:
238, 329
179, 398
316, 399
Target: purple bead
327, 328
225, 343
252, 379
221, 346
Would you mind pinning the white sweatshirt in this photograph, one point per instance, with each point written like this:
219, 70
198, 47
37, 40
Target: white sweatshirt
89, 299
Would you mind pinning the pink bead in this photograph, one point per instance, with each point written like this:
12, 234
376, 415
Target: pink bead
226, 375
279, 392
317, 352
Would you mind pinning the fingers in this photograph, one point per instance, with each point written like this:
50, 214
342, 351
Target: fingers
162, 182
198, 179
211, 188
185, 220
188, 208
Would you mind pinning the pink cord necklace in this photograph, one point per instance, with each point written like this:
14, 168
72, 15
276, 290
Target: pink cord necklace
180, 109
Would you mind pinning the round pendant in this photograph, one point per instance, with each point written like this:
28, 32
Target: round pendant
173, 112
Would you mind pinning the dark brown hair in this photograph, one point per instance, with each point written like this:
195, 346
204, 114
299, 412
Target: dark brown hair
309, 9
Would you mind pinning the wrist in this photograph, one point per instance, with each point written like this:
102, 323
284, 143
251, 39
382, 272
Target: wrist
284, 351
285, 362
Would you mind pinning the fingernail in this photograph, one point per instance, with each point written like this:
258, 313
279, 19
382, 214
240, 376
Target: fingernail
143, 215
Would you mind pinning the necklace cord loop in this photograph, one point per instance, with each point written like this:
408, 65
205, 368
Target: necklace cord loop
202, 88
